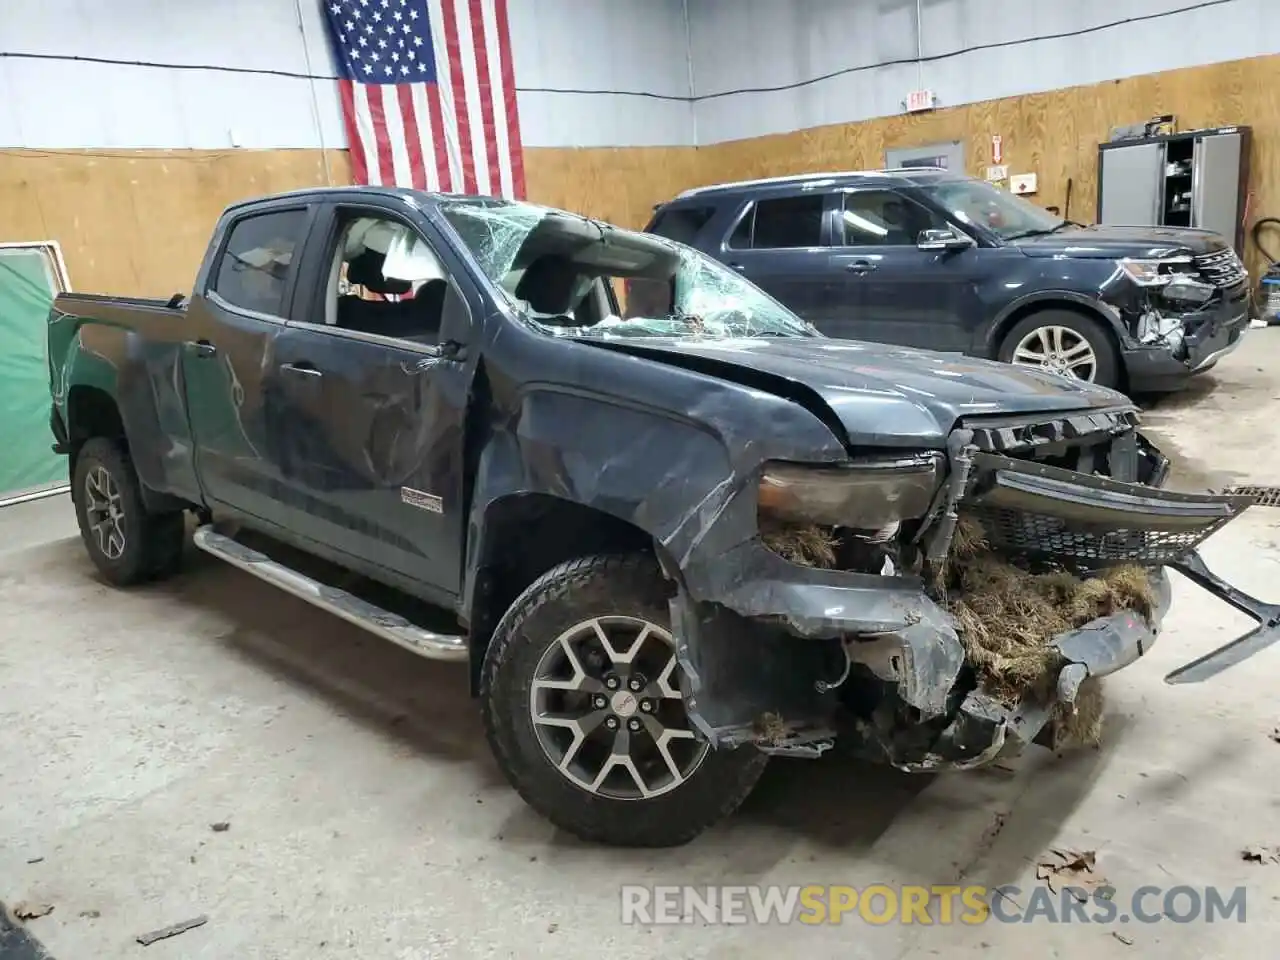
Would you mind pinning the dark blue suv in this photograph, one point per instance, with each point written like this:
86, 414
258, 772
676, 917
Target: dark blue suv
928, 258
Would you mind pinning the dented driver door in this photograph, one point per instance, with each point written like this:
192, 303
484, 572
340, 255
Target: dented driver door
368, 432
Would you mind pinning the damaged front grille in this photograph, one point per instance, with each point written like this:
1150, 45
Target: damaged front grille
1222, 268
1032, 534
1036, 510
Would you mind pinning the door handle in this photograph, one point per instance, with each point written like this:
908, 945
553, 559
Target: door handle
201, 348
301, 369
739, 267
859, 266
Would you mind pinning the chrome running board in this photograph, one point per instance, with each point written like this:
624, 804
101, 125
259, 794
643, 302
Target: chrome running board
388, 626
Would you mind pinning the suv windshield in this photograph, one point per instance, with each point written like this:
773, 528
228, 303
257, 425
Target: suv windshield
572, 276
983, 205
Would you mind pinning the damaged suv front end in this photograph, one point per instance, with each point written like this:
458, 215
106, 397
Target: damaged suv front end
943, 608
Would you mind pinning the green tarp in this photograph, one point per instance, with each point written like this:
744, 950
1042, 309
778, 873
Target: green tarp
28, 283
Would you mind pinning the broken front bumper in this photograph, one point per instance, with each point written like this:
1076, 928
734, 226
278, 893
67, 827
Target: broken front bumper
762, 636
1204, 338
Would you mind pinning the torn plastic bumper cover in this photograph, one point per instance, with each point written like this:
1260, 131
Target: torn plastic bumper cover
762, 635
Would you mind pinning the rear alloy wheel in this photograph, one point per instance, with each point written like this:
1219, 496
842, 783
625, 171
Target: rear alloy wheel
126, 542
1065, 343
584, 711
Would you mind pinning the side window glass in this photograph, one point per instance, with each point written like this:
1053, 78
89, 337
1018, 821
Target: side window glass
879, 218
257, 259
740, 239
682, 224
385, 279
788, 222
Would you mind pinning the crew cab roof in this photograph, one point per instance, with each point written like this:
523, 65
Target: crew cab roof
418, 197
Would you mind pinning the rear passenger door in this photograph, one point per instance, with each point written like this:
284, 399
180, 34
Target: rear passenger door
780, 244
233, 323
369, 396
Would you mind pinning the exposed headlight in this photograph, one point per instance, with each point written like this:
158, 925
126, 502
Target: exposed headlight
864, 494
1156, 273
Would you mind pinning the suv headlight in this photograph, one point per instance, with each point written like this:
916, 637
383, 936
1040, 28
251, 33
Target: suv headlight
863, 494
1156, 273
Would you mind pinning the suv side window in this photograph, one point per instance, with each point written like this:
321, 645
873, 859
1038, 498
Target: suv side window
258, 257
681, 224
882, 218
780, 223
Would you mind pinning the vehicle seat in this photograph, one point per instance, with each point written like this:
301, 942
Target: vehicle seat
898, 222
385, 318
549, 285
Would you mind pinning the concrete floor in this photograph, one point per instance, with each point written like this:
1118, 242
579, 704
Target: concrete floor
367, 819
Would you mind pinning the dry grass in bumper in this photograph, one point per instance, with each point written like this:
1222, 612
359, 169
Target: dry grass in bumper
1007, 616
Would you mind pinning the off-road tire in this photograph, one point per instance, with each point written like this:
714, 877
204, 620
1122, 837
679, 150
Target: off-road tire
1104, 349
575, 591
154, 543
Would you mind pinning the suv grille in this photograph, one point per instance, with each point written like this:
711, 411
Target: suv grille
1222, 268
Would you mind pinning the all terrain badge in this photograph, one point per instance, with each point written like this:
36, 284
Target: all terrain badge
423, 501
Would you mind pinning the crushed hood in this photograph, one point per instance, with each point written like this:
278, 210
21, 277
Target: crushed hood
880, 394
1107, 241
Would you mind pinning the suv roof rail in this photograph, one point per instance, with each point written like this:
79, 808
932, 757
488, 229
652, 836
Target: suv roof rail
802, 178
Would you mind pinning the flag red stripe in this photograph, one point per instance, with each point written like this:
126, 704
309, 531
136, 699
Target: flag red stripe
386, 166
346, 91
461, 118
412, 136
514, 150
437, 135
485, 87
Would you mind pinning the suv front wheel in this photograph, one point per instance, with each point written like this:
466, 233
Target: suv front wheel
584, 713
1066, 343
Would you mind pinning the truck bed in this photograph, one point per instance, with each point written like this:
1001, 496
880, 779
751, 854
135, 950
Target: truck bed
99, 307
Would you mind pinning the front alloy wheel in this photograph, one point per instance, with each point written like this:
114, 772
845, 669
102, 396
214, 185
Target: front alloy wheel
601, 719
581, 692
1059, 350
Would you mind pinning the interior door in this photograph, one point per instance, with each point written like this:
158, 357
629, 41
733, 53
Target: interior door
779, 244
1215, 184
367, 427
232, 327
892, 291
1132, 184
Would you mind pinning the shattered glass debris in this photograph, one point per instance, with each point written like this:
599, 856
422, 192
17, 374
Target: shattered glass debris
670, 290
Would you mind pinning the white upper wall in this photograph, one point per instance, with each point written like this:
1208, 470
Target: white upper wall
563, 48
628, 45
740, 44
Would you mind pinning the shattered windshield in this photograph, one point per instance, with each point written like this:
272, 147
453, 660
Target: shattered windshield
572, 276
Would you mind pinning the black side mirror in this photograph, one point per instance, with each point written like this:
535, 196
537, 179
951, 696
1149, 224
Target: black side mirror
944, 239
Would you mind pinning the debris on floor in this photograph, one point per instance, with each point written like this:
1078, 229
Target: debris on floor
1275, 734
1070, 870
90, 914
1261, 853
1127, 941
32, 911
146, 939
221, 826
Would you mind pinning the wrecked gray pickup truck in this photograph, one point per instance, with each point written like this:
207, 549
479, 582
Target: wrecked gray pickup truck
672, 529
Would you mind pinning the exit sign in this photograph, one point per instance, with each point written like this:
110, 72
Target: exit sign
919, 100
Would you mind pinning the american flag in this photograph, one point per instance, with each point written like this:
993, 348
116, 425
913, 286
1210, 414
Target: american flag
428, 94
